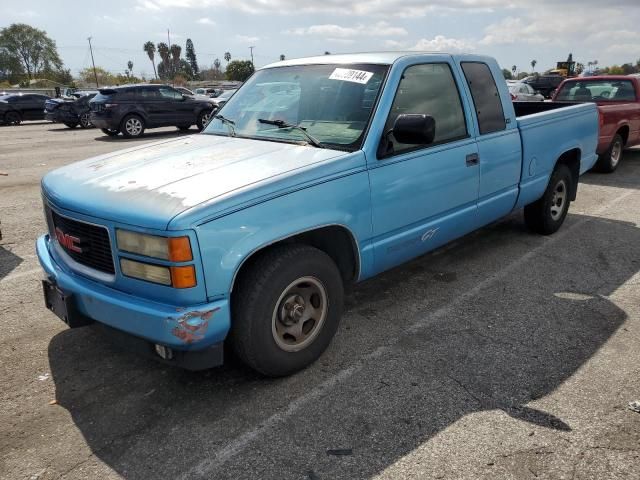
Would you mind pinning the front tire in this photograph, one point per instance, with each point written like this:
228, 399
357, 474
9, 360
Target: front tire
609, 161
71, 125
12, 118
286, 309
132, 126
203, 119
110, 132
546, 215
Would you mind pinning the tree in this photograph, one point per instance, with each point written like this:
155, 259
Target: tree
282, 57
239, 70
227, 57
507, 74
533, 65
163, 51
31, 48
104, 77
150, 48
11, 70
217, 64
191, 58
169, 71
514, 69
327, 53
579, 68
129, 68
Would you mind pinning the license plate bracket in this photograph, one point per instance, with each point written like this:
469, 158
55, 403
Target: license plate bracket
63, 306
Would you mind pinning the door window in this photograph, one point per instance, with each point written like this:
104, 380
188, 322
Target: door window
428, 89
486, 98
170, 94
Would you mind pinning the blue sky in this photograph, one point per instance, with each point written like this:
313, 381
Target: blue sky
514, 31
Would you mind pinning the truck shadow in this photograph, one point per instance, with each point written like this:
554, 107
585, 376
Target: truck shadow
8, 262
627, 175
515, 341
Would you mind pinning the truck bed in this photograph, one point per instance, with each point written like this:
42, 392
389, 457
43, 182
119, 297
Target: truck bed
547, 130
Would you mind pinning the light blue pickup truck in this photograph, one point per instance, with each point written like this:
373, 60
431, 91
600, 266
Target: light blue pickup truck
318, 173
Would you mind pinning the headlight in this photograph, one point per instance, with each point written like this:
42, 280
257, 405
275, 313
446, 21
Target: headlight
174, 249
177, 277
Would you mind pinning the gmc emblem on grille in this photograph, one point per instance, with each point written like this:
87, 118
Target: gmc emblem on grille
68, 241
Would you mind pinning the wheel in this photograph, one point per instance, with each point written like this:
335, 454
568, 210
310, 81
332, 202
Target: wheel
203, 119
184, 128
71, 125
12, 118
110, 132
608, 161
132, 126
85, 120
546, 215
286, 309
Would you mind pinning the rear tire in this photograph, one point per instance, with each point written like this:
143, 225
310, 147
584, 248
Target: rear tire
85, 120
110, 132
203, 119
609, 161
184, 128
286, 309
12, 118
132, 126
546, 215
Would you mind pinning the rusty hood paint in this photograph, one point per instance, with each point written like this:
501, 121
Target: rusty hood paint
149, 185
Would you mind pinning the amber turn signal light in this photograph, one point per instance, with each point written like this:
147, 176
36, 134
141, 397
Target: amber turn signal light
180, 249
183, 277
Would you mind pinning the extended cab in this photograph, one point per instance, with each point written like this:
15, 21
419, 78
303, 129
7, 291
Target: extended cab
248, 232
618, 100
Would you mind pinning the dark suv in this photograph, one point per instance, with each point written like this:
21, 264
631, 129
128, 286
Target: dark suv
72, 111
133, 108
545, 84
15, 108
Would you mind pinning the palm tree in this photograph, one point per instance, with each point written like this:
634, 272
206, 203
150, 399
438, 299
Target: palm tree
130, 67
514, 69
227, 57
150, 48
282, 57
163, 51
533, 65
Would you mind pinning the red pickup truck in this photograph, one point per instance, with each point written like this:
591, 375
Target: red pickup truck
618, 99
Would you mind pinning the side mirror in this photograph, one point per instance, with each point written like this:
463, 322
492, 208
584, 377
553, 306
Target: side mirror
414, 129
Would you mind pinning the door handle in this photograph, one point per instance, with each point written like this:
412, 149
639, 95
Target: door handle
473, 159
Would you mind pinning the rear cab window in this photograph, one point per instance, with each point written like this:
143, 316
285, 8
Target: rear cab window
486, 98
597, 91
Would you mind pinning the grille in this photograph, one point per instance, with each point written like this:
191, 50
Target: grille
94, 241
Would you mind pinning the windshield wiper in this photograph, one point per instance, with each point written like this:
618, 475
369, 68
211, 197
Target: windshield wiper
229, 123
282, 124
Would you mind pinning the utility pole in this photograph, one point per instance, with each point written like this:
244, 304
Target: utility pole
251, 49
93, 63
170, 67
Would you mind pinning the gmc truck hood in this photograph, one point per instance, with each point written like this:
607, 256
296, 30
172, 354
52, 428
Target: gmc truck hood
149, 185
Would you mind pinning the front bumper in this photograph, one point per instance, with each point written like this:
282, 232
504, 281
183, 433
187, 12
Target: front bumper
195, 333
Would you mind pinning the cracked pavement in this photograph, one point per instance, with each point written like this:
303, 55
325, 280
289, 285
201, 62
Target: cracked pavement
502, 355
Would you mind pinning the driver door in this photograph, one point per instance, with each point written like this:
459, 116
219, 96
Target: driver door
424, 195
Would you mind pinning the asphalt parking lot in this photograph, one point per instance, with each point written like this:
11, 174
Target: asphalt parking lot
503, 355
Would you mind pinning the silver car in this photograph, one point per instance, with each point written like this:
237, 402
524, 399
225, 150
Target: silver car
521, 92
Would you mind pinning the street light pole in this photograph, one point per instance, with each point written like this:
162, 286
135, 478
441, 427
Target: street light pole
93, 63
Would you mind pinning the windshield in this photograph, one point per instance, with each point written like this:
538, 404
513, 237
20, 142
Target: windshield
331, 103
226, 94
597, 91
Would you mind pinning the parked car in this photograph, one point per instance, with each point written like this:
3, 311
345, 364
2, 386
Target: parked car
209, 92
221, 99
72, 111
248, 233
16, 108
130, 110
545, 84
521, 92
618, 100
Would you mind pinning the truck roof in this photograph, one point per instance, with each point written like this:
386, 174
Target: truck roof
379, 58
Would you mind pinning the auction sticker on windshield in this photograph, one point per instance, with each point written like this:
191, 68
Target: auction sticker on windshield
348, 75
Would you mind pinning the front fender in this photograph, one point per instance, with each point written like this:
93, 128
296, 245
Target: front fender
228, 241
